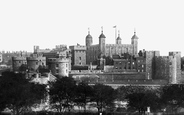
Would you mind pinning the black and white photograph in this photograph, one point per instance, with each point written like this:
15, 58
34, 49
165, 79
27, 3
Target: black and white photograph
91, 57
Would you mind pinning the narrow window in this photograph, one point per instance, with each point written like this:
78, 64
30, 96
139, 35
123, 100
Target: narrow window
57, 71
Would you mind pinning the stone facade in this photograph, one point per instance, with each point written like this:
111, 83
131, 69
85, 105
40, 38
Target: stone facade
140, 64
36, 60
150, 63
58, 53
38, 50
1, 57
57, 60
162, 67
93, 51
59, 66
78, 53
175, 67
167, 67
17, 62
124, 65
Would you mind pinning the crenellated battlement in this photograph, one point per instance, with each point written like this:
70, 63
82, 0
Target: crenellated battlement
58, 60
78, 47
36, 58
19, 58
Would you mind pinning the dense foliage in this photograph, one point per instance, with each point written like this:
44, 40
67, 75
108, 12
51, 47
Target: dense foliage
18, 93
104, 96
62, 93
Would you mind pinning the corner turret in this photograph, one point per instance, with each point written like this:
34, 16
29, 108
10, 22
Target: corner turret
89, 39
102, 43
134, 42
118, 40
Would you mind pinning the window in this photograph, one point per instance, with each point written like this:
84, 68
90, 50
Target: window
57, 65
66, 65
57, 71
66, 71
36, 63
80, 58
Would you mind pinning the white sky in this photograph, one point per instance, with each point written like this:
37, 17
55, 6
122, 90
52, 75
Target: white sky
24, 23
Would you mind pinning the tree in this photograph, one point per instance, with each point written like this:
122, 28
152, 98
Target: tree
139, 97
109, 60
18, 93
142, 97
84, 92
62, 93
23, 68
43, 69
173, 96
103, 95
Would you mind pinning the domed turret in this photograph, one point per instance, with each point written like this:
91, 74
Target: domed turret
118, 40
102, 35
102, 43
134, 36
89, 39
135, 43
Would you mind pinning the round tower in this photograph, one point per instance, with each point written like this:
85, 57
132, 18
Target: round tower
134, 42
34, 61
17, 62
102, 43
59, 66
118, 40
89, 39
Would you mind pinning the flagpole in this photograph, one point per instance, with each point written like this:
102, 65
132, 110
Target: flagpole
115, 33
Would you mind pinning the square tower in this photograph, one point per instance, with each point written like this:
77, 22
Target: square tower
150, 63
175, 67
78, 55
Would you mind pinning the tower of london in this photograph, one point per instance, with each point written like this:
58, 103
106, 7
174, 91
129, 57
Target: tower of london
102, 48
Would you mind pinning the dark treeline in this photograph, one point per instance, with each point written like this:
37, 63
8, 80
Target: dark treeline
19, 94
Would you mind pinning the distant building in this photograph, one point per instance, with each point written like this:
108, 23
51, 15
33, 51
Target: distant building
168, 68
175, 68
1, 57
17, 62
78, 53
58, 52
162, 67
38, 50
93, 51
125, 65
59, 66
35, 61
150, 63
